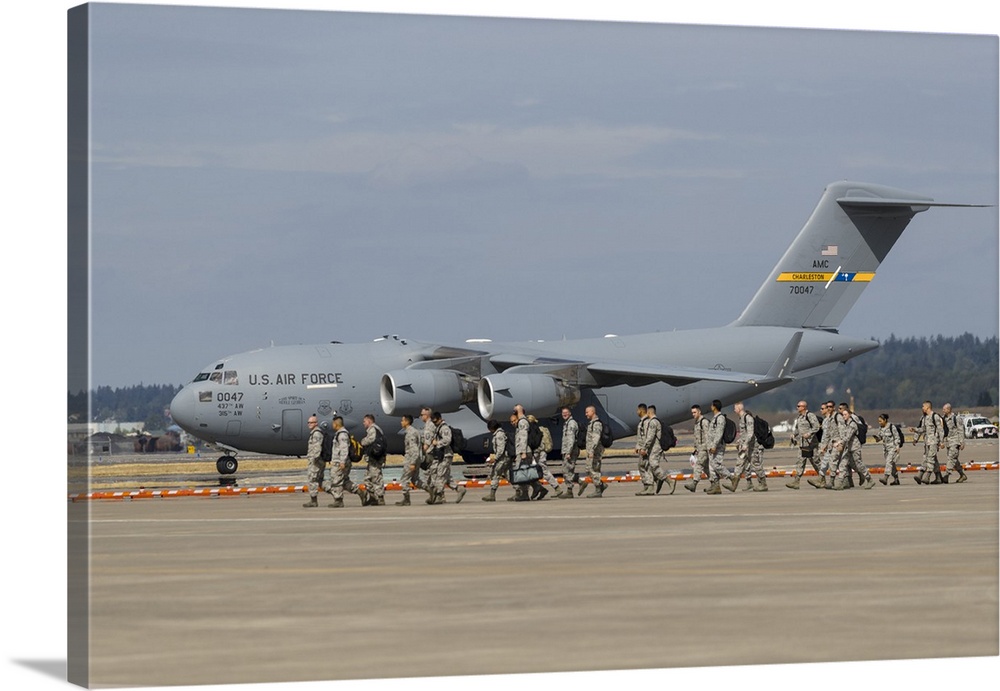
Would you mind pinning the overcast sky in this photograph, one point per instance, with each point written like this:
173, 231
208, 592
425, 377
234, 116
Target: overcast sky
275, 176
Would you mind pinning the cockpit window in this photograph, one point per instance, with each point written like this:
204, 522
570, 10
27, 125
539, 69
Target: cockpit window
201, 376
231, 378
216, 377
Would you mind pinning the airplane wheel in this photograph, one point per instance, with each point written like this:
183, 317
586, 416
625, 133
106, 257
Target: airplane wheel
226, 465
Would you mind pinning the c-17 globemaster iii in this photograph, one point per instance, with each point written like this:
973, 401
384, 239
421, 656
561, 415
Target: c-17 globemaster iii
260, 400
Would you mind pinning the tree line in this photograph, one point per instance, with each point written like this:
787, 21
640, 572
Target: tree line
900, 374
903, 372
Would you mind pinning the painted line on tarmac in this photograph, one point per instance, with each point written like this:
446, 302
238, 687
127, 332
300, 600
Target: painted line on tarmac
222, 492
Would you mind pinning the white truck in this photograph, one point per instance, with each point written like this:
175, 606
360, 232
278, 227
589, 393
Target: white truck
978, 427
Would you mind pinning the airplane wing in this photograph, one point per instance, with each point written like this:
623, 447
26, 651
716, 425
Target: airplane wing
614, 372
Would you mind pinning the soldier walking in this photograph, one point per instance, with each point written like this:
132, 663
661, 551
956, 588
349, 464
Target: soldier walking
804, 433
412, 453
652, 452
931, 427
374, 451
749, 454
827, 455
570, 451
701, 430
849, 447
317, 465
340, 466
892, 441
954, 443
594, 451
500, 457
717, 449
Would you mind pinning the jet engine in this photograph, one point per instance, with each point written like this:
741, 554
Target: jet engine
406, 391
540, 394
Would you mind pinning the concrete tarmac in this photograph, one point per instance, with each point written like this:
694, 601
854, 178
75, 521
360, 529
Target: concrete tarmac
259, 589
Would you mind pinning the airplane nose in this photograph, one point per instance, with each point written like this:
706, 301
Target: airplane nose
182, 409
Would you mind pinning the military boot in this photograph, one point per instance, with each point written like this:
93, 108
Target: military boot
884, 479
761, 485
363, 496
819, 482
558, 492
313, 502
714, 488
670, 481
919, 478
734, 482
691, 485
542, 491
794, 484
839, 484
338, 503
461, 494
492, 496
567, 494
431, 495
583, 488
380, 501
869, 482
646, 491
598, 490
962, 477
405, 501
945, 478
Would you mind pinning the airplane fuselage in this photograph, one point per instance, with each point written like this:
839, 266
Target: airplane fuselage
260, 400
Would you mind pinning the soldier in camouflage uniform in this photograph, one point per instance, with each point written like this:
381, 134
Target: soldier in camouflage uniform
804, 431
701, 429
931, 428
717, 469
645, 475
570, 452
749, 453
825, 450
340, 466
412, 453
954, 443
541, 458
594, 452
317, 466
499, 460
442, 456
892, 440
652, 452
849, 447
374, 483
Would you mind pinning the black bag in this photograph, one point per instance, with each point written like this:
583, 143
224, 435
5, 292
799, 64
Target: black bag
729, 432
458, 443
377, 448
326, 451
534, 435
762, 432
862, 429
525, 473
606, 438
668, 439
353, 447
898, 435
581, 438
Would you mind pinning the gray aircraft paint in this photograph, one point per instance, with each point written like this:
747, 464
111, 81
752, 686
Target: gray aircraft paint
787, 332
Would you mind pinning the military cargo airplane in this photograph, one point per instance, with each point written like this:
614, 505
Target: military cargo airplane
260, 400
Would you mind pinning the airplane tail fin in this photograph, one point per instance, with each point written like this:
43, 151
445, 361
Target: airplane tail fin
834, 257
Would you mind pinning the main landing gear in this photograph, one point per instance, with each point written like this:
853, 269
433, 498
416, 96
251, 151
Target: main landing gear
226, 465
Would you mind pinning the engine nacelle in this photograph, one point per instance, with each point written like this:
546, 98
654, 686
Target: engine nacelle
540, 394
406, 391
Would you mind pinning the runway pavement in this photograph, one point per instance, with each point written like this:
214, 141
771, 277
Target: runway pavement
258, 589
